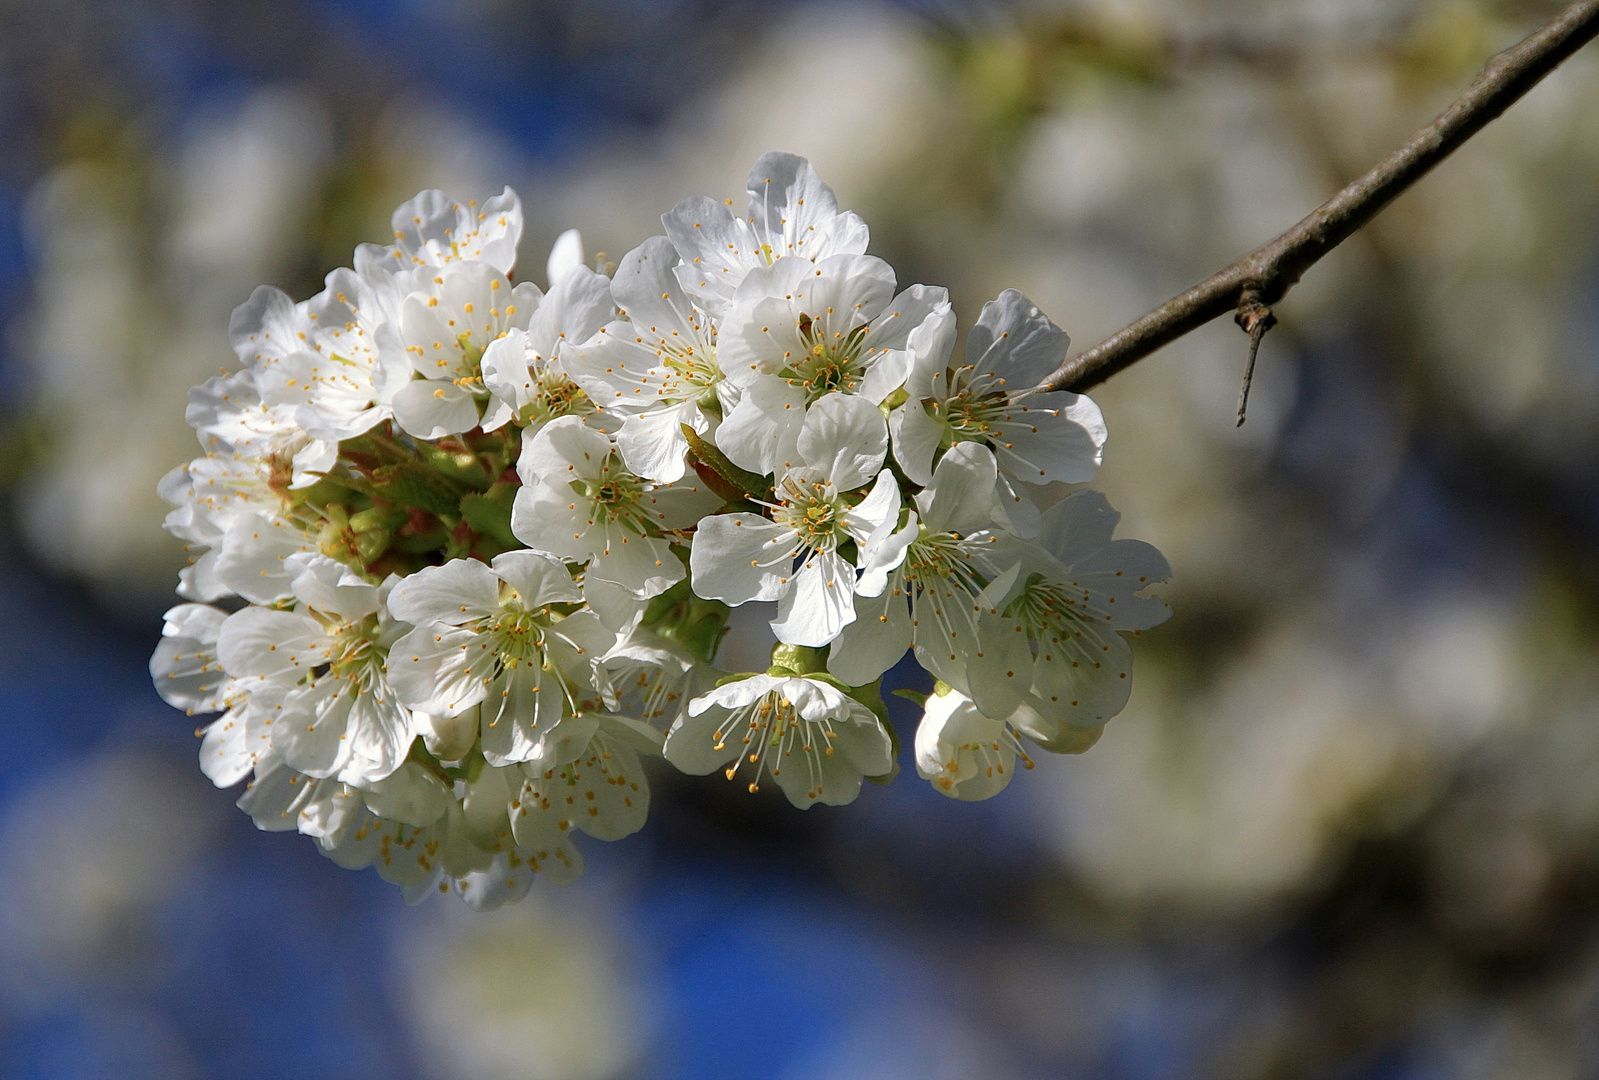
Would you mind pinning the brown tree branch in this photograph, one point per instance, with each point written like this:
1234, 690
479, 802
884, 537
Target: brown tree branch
1265, 275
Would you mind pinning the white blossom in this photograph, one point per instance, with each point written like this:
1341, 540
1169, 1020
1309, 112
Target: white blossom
231, 507
1037, 438
508, 636
963, 753
579, 501
815, 742
793, 558
188, 676
323, 670
339, 380
1052, 623
433, 230
455, 724
791, 213
650, 680
799, 330
527, 372
603, 791
920, 585
444, 327
657, 368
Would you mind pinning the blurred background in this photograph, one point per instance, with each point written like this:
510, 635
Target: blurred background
1347, 827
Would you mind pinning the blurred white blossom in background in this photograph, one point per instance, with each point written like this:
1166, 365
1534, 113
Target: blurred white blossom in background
548, 989
91, 853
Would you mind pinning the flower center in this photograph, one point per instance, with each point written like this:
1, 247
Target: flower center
812, 510
354, 654
973, 406
1051, 611
614, 495
518, 636
771, 729
831, 362
933, 555
693, 374
555, 395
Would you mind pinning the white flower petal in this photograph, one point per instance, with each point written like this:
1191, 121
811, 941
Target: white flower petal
653, 445
819, 602
269, 646
882, 555
844, 439
1016, 341
603, 792
565, 449
184, 667
762, 431
233, 744
548, 519
875, 641
457, 592
871, 522
573, 311
328, 586
961, 497
916, 439
312, 733
737, 558
433, 408
519, 706
566, 255
717, 249
538, 579
643, 565
646, 288
440, 669
963, 753
412, 795
1058, 437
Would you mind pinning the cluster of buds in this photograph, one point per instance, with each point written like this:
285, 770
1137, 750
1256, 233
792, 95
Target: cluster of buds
463, 551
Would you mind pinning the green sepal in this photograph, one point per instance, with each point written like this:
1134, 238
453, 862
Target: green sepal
916, 697
421, 543
803, 660
721, 475
458, 464
741, 676
410, 483
696, 624
489, 513
424, 757
471, 766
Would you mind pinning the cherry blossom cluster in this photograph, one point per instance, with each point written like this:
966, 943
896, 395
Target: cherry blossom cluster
462, 550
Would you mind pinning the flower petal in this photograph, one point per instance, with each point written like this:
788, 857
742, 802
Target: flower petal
538, 579
819, 603
457, 592
1016, 341
1058, 437
737, 558
875, 641
844, 439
